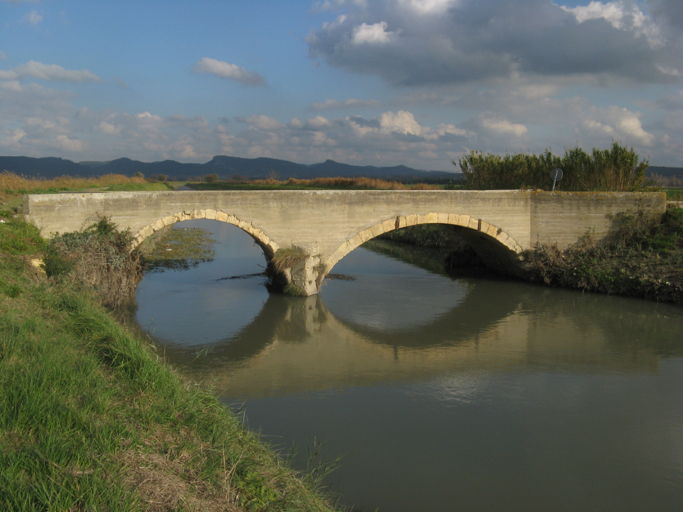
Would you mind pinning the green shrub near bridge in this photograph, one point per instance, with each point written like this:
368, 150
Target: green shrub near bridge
614, 169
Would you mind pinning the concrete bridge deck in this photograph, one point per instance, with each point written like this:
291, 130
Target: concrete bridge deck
325, 225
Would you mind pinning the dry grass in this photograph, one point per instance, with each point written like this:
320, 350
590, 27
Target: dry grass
351, 183
11, 183
287, 258
170, 479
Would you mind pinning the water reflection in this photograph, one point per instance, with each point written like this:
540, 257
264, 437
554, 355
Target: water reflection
466, 394
415, 326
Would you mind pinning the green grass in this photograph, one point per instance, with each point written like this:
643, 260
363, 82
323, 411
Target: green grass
674, 194
92, 419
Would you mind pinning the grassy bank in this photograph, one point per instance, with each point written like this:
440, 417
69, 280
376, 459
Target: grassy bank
92, 419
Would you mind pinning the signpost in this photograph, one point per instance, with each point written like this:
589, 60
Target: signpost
556, 175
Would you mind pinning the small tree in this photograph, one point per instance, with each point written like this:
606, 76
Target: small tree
211, 178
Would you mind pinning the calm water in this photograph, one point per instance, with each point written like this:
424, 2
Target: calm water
442, 395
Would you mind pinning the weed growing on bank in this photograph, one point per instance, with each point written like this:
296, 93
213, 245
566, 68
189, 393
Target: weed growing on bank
642, 258
98, 258
91, 419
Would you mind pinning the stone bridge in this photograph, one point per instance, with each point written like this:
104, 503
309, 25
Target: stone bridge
317, 228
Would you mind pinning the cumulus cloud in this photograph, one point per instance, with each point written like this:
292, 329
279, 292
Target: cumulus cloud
8, 75
413, 43
55, 73
228, 71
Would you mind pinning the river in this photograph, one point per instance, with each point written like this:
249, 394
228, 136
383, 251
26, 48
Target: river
441, 394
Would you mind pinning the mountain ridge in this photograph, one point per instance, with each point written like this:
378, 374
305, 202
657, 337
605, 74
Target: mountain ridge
224, 166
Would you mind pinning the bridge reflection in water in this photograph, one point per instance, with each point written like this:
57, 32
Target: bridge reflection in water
297, 344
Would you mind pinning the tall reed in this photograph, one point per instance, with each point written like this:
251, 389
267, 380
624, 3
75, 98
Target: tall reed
614, 169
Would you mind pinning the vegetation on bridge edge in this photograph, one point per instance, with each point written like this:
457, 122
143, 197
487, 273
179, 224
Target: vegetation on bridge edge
91, 418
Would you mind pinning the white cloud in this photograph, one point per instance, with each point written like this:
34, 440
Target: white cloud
11, 85
33, 17
620, 124
318, 122
8, 75
108, 128
228, 71
400, 122
372, 34
65, 143
503, 126
12, 138
56, 73
621, 15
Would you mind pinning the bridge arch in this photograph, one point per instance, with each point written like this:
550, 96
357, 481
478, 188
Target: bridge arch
495, 239
264, 241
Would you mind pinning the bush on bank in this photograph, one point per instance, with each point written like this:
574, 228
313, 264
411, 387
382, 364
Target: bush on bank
643, 258
98, 258
90, 419
614, 169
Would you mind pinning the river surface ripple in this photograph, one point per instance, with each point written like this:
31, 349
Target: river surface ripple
442, 394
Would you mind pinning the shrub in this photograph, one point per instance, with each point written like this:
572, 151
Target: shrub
614, 169
99, 258
211, 178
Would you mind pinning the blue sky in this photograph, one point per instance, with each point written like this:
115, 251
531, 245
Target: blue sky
371, 82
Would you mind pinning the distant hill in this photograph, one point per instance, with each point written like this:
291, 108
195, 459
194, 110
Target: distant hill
225, 167
665, 171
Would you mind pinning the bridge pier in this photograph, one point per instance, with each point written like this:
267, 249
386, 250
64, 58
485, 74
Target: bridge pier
305, 275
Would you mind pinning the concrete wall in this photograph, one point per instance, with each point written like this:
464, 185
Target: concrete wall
328, 224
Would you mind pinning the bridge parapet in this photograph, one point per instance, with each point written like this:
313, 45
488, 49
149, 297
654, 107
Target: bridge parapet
328, 224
